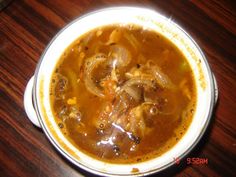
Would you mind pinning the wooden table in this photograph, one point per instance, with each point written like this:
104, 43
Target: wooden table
26, 27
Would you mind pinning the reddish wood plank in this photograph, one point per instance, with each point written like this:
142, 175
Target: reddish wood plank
26, 27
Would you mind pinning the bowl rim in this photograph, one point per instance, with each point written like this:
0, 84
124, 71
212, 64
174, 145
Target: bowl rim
101, 173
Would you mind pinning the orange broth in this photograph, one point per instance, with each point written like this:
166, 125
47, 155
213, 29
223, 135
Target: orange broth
123, 94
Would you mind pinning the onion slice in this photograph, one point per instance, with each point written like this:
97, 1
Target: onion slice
135, 93
121, 55
162, 79
114, 37
148, 81
90, 64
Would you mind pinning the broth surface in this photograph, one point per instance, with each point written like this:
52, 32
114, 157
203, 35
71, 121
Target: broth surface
123, 94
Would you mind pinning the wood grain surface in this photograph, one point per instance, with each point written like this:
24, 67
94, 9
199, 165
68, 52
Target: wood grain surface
27, 26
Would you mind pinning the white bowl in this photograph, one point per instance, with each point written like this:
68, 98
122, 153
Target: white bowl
37, 90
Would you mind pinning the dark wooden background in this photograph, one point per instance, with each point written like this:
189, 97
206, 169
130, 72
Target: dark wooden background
26, 27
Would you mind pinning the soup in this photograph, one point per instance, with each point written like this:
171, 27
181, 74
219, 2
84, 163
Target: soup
123, 94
